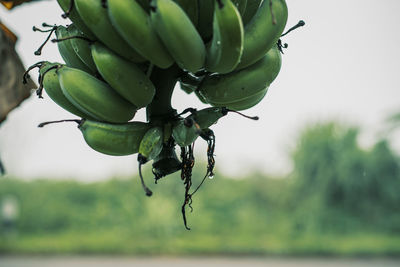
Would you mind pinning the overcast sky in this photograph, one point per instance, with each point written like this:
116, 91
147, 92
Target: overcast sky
344, 65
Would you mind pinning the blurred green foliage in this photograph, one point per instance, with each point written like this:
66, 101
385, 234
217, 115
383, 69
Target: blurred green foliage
340, 199
346, 186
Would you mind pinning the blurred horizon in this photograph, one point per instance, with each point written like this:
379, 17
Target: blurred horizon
340, 200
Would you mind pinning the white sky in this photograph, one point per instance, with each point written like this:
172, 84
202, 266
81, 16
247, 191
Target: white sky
344, 65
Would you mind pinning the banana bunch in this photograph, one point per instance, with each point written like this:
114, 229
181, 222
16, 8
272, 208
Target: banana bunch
120, 56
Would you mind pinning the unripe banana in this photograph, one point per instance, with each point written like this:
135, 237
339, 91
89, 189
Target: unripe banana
81, 47
94, 97
236, 86
134, 25
200, 97
96, 18
178, 34
51, 85
208, 116
263, 31
74, 17
114, 139
123, 76
245, 103
241, 6
248, 102
67, 52
187, 88
185, 131
145, 4
151, 144
167, 131
251, 9
206, 14
223, 55
191, 8
150, 147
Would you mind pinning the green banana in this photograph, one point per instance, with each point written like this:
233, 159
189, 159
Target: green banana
151, 144
96, 18
251, 9
67, 52
74, 16
200, 97
206, 14
208, 116
185, 132
49, 81
178, 34
245, 103
248, 102
150, 148
145, 4
133, 24
223, 55
114, 139
241, 6
167, 131
187, 88
263, 31
235, 86
81, 47
191, 8
94, 97
123, 76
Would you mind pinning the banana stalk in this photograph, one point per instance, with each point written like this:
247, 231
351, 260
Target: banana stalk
164, 81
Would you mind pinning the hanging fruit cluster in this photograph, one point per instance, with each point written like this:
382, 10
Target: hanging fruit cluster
123, 55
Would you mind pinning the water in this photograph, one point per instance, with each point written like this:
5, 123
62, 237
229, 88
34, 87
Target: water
83, 261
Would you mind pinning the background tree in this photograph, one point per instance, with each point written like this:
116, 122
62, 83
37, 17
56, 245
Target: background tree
335, 178
12, 90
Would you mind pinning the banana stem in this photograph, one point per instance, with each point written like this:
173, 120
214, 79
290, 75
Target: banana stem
66, 14
164, 80
38, 52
